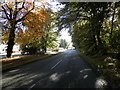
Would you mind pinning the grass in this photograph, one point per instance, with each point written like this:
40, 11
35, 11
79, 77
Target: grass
108, 67
10, 63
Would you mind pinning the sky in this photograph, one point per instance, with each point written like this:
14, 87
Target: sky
55, 7
64, 33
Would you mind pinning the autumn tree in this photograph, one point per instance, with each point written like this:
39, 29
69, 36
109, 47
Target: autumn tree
49, 40
38, 33
36, 23
13, 13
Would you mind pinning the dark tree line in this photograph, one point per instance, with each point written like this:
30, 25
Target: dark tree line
95, 26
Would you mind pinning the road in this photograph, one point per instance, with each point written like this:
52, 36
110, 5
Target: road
65, 70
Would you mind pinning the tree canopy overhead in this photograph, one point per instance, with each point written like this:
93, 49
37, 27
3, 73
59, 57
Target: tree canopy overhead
92, 25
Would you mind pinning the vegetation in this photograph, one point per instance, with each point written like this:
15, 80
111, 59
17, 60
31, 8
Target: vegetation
94, 26
13, 62
95, 29
64, 44
13, 14
28, 25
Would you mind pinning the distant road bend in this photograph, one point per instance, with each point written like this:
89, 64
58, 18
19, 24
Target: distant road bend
65, 70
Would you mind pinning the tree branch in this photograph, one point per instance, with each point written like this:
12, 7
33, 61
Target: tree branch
6, 27
5, 13
15, 12
19, 9
10, 10
25, 14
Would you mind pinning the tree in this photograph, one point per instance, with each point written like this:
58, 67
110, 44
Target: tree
39, 31
13, 14
112, 29
34, 27
92, 13
94, 26
49, 40
63, 43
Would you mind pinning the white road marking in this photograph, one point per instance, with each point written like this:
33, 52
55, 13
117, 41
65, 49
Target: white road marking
56, 64
31, 86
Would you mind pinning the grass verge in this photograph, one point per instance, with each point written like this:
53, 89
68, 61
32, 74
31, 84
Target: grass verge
107, 67
11, 63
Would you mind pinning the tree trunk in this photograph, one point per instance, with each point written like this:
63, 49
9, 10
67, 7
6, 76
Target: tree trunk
11, 40
94, 40
94, 34
98, 37
43, 45
45, 49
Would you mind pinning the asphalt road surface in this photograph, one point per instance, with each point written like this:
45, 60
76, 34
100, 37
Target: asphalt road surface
65, 70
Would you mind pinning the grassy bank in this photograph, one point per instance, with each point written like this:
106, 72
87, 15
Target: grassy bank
108, 67
10, 63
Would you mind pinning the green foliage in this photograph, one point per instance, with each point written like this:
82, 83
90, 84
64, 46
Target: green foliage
96, 29
96, 32
36, 42
30, 50
49, 40
64, 44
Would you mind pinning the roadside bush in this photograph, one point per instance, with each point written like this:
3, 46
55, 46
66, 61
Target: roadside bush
29, 50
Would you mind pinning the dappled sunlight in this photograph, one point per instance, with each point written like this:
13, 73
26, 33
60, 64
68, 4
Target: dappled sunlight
85, 70
55, 77
12, 71
47, 43
26, 83
63, 73
36, 76
85, 76
20, 80
12, 58
68, 72
100, 83
15, 78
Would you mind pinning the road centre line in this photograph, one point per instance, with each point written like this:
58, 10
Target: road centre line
31, 86
50, 69
56, 64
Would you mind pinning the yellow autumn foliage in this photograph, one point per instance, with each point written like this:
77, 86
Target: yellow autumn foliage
35, 22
